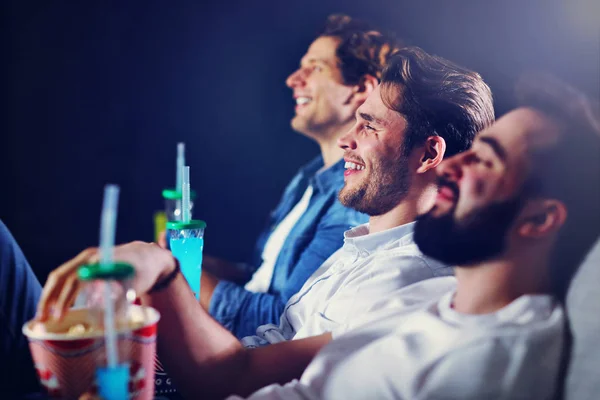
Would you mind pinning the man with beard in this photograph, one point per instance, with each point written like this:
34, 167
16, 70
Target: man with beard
516, 214
425, 108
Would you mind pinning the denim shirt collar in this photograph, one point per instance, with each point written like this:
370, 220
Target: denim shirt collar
323, 180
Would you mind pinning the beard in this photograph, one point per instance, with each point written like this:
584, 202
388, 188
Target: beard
480, 237
385, 186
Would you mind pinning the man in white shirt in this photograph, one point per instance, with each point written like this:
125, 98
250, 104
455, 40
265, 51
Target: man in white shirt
425, 108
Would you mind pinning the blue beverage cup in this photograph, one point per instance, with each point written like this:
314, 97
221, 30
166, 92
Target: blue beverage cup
186, 241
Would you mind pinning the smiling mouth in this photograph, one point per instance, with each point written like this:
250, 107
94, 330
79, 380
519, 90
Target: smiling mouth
353, 166
302, 101
447, 190
446, 194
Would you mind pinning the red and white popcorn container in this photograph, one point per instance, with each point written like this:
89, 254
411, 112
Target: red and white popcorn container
66, 363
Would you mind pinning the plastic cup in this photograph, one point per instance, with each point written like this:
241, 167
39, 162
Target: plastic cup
160, 223
66, 363
173, 204
186, 241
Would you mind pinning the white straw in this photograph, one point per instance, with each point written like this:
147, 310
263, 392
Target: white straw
180, 164
185, 195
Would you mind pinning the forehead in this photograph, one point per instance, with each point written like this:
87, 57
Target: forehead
375, 107
322, 49
522, 132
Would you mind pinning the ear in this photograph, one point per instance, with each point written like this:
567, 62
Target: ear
364, 88
432, 153
541, 218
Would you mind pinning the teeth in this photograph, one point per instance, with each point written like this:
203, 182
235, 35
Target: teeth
351, 165
303, 100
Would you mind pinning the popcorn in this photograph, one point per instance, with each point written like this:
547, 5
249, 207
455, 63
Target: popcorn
79, 329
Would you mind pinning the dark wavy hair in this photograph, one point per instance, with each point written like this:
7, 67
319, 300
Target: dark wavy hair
437, 97
361, 50
568, 171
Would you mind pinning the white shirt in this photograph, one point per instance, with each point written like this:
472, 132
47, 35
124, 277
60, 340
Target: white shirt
435, 352
356, 280
261, 280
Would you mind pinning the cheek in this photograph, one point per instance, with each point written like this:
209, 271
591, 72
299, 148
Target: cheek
334, 93
368, 152
474, 193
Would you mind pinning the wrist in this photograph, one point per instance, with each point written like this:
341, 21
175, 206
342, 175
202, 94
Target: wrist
170, 270
168, 264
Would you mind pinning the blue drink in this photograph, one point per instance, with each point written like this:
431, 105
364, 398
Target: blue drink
189, 254
186, 241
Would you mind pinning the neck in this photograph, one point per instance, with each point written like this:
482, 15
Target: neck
487, 287
330, 150
406, 211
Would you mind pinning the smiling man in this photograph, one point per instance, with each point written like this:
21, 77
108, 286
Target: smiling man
337, 73
426, 107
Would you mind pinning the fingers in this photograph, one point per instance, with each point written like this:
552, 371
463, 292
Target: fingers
66, 296
162, 239
57, 280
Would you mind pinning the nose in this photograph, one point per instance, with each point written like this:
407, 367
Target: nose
296, 79
348, 140
451, 168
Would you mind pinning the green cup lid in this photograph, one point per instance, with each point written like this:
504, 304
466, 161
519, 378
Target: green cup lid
173, 194
192, 224
112, 271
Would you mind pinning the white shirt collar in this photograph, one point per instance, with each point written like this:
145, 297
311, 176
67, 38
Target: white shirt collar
360, 238
525, 309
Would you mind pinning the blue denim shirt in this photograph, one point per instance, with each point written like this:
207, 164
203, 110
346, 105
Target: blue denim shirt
318, 234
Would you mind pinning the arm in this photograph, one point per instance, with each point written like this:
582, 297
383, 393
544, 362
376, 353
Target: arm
242, 311
19, 294
202, 356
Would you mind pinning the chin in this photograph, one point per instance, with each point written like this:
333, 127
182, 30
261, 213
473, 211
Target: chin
297, 124
301, 126
347, 196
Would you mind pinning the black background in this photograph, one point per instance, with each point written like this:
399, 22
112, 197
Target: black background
101, 91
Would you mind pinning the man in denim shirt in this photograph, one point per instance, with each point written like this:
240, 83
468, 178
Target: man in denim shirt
340, 69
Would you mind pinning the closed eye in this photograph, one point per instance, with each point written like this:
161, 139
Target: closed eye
476, 159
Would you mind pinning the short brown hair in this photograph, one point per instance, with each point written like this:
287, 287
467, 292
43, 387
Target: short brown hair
568, 171
437, 97
362, 50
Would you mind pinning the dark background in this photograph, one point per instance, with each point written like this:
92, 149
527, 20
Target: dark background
101, 91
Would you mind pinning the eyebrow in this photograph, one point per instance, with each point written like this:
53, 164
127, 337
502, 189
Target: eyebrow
370, 118
495, 145
313, 60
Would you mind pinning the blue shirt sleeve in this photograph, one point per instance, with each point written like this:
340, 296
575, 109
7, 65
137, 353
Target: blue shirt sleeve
242, 311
